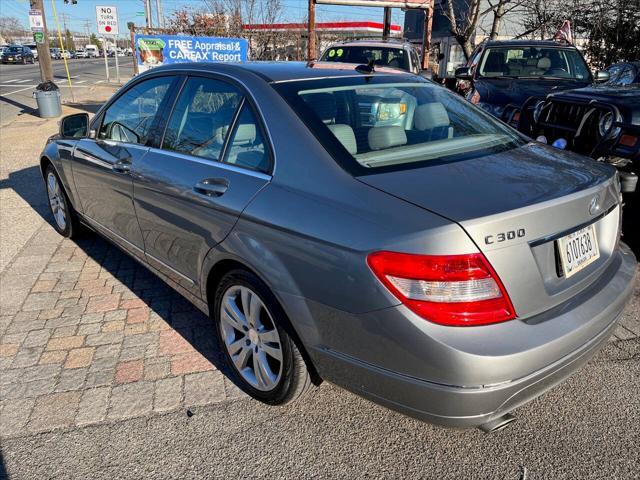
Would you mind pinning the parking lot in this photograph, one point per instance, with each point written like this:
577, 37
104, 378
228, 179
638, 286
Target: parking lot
106, 372
17, 82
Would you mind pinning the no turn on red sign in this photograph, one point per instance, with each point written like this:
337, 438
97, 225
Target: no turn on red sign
107, 20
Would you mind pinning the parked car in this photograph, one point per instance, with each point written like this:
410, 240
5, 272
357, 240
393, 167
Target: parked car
34, 49
401, 55
602, 122
56, 53
81, 53
502, 75
17, 54
424, 256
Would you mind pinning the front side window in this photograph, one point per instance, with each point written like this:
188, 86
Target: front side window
202, 117
536, 62
130, 117
381, 56
382, 125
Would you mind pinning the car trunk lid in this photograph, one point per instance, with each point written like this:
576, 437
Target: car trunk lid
515, 205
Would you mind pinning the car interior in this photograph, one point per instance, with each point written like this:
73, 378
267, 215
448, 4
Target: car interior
527, 62
400, 124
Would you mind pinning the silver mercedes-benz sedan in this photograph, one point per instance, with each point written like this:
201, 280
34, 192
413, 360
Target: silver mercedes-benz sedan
368, 228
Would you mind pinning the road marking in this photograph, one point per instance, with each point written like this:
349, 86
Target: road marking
22, 81
17, 91
80, 81
12, 80
100, 81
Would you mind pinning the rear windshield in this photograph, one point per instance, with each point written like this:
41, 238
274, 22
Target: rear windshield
370, 124
14, 49
523, 62
381, 56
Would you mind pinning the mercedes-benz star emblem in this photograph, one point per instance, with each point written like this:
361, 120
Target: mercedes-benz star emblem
594, 206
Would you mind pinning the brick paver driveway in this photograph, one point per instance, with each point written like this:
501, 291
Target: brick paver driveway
91, 336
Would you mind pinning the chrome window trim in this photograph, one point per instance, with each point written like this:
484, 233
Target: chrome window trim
213, 163
245, 93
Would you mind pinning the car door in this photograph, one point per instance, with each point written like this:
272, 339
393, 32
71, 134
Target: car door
102, 165
189, 193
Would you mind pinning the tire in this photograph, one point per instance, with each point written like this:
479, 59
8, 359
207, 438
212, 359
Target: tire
282, 381
65, 218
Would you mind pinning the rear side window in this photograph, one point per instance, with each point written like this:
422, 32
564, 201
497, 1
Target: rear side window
130, 117
247, 148
201, 118
381, 56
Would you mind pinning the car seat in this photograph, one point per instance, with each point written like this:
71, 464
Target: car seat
432, 121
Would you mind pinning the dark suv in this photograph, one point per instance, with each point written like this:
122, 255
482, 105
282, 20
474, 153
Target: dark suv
17, 54
501, 75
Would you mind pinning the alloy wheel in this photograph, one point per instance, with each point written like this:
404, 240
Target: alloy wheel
251, 338
56, 201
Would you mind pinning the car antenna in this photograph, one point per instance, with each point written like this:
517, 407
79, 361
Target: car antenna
368, 68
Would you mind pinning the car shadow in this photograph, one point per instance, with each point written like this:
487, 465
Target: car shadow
3, 470
87, 106
162, 301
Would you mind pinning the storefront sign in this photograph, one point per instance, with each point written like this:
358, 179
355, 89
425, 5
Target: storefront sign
155, 50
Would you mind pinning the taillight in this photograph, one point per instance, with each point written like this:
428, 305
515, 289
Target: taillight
456, 290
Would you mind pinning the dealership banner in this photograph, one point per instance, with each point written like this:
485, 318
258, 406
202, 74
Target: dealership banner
155, 50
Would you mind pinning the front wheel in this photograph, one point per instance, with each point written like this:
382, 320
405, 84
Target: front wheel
65, 218
250, 324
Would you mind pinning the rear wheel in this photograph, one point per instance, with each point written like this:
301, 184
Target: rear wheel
65, 219
262, 357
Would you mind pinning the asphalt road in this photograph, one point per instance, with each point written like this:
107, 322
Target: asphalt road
17, 82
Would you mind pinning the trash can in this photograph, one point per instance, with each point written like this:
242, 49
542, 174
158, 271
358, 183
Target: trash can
49, 104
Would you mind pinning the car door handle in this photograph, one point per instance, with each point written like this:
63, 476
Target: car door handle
122, 166
212, 187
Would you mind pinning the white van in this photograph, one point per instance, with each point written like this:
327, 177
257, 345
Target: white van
92, 51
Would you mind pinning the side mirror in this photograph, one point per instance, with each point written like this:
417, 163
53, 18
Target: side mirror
75, 126
463, 73
602, 76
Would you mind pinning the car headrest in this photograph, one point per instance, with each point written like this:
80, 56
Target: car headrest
245, 134
323, 105
344, 134
430, 115
544, 63
386, 137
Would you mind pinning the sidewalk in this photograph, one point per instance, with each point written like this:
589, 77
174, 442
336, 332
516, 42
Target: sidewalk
87, 335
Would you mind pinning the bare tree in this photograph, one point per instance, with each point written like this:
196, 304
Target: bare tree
463, 18
542, 17
11, 27
499, 9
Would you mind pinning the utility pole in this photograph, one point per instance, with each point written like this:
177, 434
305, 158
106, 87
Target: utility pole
159, 13
311, 32
147, 13
44, 57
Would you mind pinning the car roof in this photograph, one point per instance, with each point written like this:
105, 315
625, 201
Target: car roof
527, 43
280, 71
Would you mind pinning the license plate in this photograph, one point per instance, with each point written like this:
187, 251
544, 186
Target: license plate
578, 250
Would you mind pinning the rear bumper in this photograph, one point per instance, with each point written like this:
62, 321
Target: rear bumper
581, 330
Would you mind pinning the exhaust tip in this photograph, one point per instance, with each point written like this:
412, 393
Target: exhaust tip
498, 424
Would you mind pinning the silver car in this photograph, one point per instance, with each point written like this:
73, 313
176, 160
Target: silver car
368, 228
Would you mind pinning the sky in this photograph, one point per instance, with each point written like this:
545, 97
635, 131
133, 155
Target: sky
78, 15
